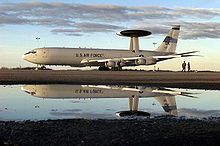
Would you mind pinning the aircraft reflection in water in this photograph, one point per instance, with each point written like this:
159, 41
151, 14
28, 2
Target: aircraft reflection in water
166, 97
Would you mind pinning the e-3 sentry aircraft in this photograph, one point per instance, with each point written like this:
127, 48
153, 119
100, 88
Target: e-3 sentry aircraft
107, 59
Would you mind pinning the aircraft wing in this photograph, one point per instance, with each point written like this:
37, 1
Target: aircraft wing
188, 54
166, 91
166, 57
130, 59
124, 88
126, 61
171, 92
185, 54
110, 59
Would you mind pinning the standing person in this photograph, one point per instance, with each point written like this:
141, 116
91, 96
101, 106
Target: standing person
184, 66
188, 66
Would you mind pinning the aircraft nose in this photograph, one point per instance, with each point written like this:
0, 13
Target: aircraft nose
29, 89
24, 57
23, 88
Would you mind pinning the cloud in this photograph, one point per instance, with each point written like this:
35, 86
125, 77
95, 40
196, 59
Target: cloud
201, 30
201, 13
189, 30
79, 19
88, 27
80, 114
11, 19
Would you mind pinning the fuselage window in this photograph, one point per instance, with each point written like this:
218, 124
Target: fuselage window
31, 52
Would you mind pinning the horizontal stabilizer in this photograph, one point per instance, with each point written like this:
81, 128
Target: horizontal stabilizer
166, 57
190, 55
187, 53
187, 94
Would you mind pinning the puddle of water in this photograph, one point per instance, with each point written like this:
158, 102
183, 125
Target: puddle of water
40, 102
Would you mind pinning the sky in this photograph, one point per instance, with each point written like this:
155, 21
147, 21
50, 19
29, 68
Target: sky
94, 23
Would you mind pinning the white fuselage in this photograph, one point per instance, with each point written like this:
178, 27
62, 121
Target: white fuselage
57, 91
74, 56
61, 91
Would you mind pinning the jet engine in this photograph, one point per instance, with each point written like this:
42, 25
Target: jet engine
150, 61
122, 63
141, 61
140, 88
110, 64
145, 61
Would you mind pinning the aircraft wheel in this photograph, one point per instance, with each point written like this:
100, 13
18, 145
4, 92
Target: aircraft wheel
42, 67
141, 92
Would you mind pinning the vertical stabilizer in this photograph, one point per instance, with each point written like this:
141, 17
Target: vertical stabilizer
168, 103
170, 42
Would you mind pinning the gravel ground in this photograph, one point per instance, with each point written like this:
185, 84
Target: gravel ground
156, 131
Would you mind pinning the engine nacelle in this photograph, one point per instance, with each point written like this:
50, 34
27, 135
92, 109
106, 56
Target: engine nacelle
122, 63
145, 61
141, 61
110, 64
150, 61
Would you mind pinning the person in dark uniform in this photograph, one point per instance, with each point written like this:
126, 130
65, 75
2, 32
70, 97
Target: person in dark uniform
188, 66
184, 66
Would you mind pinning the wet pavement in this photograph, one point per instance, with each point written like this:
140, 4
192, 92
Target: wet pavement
60, 101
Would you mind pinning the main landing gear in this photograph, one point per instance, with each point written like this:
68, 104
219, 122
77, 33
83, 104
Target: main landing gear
101, 68
116, 68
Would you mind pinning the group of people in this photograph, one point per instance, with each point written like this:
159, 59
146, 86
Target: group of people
184, 66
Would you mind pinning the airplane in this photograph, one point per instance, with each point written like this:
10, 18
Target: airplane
107, 59
166, 97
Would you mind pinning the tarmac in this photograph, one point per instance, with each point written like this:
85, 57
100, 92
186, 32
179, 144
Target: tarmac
196, 80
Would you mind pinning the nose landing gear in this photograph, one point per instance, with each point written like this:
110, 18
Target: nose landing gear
41, 67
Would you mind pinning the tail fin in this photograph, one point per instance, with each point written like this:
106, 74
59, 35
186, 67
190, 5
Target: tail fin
168, 103
170, 42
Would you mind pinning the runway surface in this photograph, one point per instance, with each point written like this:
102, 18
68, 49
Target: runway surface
204, 80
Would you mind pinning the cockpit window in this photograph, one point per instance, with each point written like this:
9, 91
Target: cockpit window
31, 52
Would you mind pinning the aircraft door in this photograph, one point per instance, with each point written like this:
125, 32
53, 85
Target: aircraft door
44, 53
44, 92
